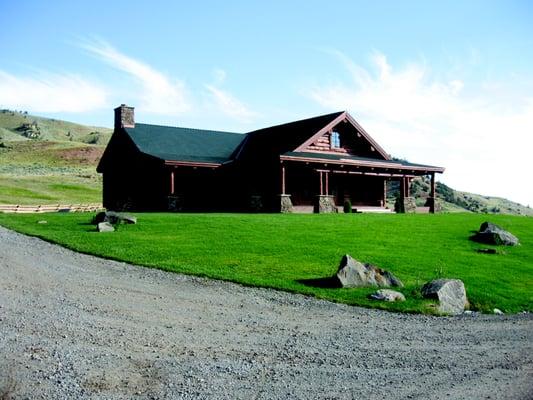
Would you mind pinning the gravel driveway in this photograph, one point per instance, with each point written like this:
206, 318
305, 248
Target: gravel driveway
74, 327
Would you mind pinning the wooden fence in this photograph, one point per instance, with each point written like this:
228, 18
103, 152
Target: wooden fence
17, 208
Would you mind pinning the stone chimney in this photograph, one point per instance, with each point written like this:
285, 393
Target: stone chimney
124, 117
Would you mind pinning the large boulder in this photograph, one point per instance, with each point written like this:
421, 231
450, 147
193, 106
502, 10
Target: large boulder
105, 227
352, 273
387, 295
114, 217
490, 233
99, 217
450, 293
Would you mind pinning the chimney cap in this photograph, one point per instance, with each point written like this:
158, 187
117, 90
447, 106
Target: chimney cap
123, 106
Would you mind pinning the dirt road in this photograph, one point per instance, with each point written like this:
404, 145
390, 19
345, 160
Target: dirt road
78, 327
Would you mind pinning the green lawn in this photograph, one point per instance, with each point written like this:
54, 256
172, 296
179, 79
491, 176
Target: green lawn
294, 252
51, 189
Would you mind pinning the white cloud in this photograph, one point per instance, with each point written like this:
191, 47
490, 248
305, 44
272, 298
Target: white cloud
484, 140
219, 76
159, 94
225, 102
49, 92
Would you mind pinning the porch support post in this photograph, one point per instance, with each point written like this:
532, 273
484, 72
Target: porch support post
172, 182
282, 179
325, 203
285, 202
432, 194
384, 193
174, 202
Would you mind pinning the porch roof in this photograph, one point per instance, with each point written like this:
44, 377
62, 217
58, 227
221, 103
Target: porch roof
344, 159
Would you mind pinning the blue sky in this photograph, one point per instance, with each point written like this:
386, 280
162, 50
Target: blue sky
447, 83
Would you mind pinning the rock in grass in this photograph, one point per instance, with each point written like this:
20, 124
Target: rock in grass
352, 273
450, 293
497, 311
105, 227
42, 222
490, 233
114, 217
100, 217
387, 295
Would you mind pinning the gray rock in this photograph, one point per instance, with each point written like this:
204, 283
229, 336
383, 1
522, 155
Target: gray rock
497, 311
99, 217
352, 273
387, 295
450, 293
490, 233
105, 227
114, 217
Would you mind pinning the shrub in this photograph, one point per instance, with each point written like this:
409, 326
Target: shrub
347, 206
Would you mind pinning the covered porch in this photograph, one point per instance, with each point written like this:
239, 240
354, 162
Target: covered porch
316, 185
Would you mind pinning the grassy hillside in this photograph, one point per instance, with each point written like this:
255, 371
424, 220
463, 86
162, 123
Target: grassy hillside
478, 203
451, 200
42, 172
298, 253
15, 125
50, 162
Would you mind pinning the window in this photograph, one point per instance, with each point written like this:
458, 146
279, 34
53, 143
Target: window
335, 140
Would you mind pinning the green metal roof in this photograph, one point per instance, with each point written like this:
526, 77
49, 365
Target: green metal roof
184, 144
281, 138
205, 146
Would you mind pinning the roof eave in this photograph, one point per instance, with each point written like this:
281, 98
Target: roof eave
345, 116
363, 132
177, 163
370, 164
322, 131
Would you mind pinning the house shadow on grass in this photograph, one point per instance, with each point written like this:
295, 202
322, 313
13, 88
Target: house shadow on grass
331, 282
86, 223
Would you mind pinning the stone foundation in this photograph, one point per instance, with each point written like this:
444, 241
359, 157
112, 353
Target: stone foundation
175, 203
408, 205
325, 204
285, 203
256, 203
433, 205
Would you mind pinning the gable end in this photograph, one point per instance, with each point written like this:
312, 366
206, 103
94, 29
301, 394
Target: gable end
344, 136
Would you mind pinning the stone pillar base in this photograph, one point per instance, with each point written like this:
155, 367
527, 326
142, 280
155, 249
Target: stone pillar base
256, 203
408, 205
285, 203
433, 205
325, 204
174, 203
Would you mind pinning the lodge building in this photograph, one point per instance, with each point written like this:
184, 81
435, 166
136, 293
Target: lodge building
312, 165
